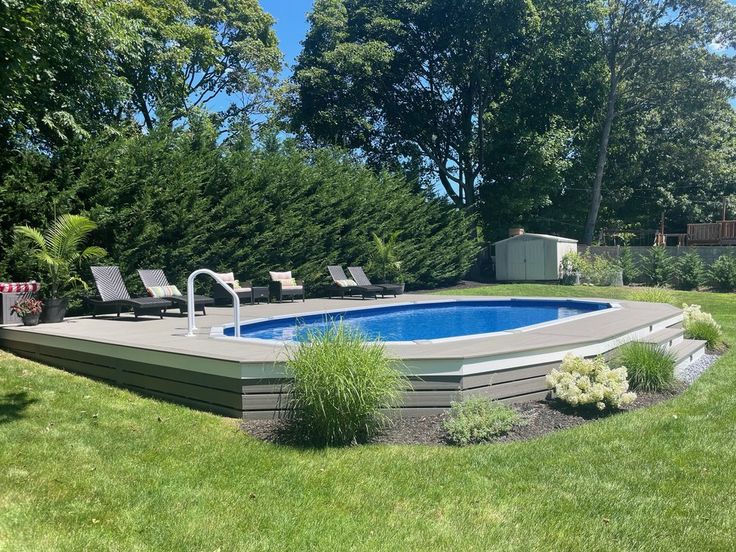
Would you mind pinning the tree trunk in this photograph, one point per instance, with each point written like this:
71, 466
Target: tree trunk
448, 187
595, 201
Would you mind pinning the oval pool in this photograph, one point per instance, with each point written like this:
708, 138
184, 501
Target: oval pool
423, 321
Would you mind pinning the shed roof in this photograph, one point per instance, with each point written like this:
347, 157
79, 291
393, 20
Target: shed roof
541, 236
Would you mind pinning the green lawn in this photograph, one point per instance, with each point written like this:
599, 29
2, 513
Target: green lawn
84, 466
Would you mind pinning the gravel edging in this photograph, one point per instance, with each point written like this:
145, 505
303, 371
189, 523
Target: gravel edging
540, 417
692, 371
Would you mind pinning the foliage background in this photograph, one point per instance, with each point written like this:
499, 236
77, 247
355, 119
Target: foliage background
177, 199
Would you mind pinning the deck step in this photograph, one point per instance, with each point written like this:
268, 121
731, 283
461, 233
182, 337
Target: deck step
669, 337
688, 351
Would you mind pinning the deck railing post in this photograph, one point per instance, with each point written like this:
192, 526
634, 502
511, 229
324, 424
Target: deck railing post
191, 326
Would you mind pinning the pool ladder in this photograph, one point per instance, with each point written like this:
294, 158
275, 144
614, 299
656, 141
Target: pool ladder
190, 300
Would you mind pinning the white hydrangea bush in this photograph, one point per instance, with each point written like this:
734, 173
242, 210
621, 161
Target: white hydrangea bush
581, 382
694, 313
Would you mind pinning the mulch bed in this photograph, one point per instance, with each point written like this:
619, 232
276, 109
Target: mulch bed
540, 417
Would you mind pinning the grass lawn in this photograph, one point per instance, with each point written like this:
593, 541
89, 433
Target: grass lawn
84, 466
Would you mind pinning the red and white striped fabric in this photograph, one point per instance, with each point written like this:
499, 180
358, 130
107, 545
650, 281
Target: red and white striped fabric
19, 287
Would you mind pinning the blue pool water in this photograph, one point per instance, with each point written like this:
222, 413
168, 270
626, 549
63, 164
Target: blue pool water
423, 320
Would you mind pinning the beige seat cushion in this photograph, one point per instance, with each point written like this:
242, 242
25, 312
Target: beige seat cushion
227, 277
276, 276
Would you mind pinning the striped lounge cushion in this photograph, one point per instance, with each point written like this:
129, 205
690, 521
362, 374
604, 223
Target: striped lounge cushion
346, 283
19, 287
163, 291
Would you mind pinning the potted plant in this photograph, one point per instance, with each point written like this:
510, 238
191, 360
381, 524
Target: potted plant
384, 260
29, 310
60, 252
571, 268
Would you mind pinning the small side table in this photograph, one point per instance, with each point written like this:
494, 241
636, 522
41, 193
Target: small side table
260, 293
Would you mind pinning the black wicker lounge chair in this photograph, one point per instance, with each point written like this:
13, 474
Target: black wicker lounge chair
342, 285
361, 279
114, 296
156, 278
283, 285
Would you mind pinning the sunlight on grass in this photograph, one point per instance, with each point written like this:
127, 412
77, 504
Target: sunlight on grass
87, 466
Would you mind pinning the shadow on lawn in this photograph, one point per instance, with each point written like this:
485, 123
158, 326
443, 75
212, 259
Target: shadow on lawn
12, 406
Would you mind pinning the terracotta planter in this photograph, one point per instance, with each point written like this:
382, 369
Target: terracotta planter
31, 319
54, 310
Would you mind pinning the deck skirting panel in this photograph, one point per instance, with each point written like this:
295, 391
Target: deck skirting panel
187, 379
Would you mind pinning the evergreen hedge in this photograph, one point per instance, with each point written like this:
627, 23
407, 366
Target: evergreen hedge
179, 200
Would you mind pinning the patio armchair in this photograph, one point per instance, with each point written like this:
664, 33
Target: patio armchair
284, 285
244, 290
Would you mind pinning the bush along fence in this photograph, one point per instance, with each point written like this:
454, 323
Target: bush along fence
684, 267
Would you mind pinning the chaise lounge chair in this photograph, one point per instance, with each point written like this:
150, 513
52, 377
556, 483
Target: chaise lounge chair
114, 295
284, 285
361, 279
345, 286
157, 285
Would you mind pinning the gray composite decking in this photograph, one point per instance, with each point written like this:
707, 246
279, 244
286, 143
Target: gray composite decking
241, 378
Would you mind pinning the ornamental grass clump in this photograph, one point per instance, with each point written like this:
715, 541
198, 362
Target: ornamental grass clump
477, 420
582, 382
649, 367
652, 295
701, 325
341, 383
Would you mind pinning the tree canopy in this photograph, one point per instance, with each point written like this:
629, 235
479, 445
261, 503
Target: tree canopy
509, 106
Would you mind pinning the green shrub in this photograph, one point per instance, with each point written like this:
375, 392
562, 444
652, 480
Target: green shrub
706, 331
340, 385
690, 271
478, 419
586, 382
649, 367
722, 273
701, 325
572, 265
601, 270
268, 206
598, 270
657, 266
652, 295
628, 265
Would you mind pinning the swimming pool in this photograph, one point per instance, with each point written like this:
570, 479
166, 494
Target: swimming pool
426, 321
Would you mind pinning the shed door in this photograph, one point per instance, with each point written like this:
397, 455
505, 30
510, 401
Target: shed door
535, 260
516, 261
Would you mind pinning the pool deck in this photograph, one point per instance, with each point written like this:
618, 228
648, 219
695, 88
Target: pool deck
156, 356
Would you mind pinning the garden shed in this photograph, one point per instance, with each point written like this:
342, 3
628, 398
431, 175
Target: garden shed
531, 257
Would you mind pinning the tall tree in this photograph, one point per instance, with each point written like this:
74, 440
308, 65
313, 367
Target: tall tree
57, 81
184, 54
657, 53
411, 78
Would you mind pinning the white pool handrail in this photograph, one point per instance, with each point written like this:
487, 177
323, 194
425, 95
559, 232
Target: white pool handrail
190, 300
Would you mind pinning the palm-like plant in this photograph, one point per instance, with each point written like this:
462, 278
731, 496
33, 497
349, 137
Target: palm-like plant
384, 260
60, 250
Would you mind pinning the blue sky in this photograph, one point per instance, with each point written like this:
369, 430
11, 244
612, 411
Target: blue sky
291, 24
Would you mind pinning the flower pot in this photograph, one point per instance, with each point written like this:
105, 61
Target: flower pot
571, 279
54, 310
31, 319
